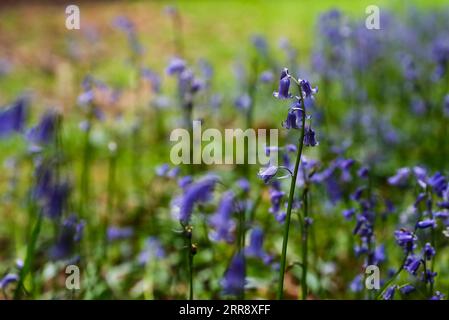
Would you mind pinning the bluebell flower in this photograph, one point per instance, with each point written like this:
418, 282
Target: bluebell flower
437, 296
412, 264
389, 293
427, 223
176, 66
117, 233
419, 199
70, 234
44, 131
153, 78
407, 289
280, 216
8, 279
184, 182
405, 239
380, 255
284, 86
275, 199
153, 250
266, 76
243, 102
198, 192
255, 248
446, 105
400, 178
244, 185
12, 118
267, 173
443, 215
162, 169
221, 221
356, 285
438, 182
348, 213
363, 172
294, 118
309, 137
428, 276
307, 89
443, 204
55, 200
233, 282
428, 251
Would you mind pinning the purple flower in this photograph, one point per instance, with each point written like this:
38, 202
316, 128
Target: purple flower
70, 234
356, 285
233, 282
428, 251
267, 173
200, 191
427, 223
389, 293
438, 183
407, 289
153, 78
348, 213
162, 170
400, 178
266, 76
243, 102
44, 132
428, 276
294, 118
116, 233
12, 118
255, 248
55, 200
185, 181
244, 185
412, 264
443, 204
284, 86
446, 105
275, 199
309, 137
307, 88
176, 66
221, 221
153, 249
437, 296
8, 279
405, 239
363, 172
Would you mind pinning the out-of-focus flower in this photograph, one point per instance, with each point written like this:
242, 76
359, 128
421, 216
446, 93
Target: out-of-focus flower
176, 66
427, 223
70, 233
221, 222
117, 233
309, 137
12, 118
198, 192
400, 178
44, 131
255, 248
233, 282
8, 279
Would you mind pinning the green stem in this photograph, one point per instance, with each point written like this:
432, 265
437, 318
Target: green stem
280, 292
305, 237
29, 256
387, 284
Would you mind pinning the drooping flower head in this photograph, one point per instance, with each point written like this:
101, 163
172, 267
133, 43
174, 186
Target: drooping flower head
198, 192
12, 118
221, 222
233, 282
284, 86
